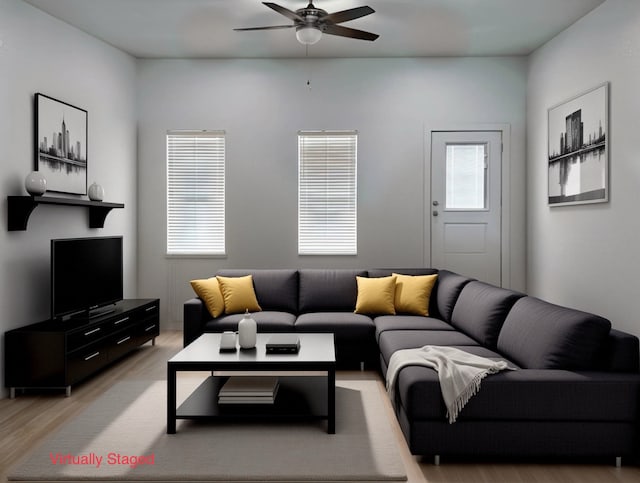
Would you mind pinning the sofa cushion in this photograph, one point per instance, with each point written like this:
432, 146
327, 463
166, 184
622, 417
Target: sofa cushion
413, 293
267, 321
394, 340
209, 291
418, 387
447, 289
330, 290
540, 335
384, 323
345, 325
481, 309
276, 289
376, 295
526, 395
239, 294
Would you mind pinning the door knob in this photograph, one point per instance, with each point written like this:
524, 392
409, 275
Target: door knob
435, 203
435, 213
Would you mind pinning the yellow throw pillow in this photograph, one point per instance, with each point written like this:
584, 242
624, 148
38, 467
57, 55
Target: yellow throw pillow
238, 294
208, 290
376, 295
413, 293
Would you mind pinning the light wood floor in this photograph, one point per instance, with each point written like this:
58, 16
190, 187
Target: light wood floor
28, 419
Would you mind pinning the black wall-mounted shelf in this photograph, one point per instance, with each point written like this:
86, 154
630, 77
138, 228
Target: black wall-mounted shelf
20, 208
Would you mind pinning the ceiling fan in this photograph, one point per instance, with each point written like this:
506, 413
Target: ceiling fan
311, 22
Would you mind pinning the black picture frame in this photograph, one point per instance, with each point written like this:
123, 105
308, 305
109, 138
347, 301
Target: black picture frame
578, 149
61, 141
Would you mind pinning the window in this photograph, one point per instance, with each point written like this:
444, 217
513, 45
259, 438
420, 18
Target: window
195, 193
466, 176
327, 208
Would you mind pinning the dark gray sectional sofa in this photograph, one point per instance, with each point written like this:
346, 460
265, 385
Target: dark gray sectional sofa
576, 391
298, 301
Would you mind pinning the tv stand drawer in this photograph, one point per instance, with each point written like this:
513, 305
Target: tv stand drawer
122, 343
86, 335
85, 362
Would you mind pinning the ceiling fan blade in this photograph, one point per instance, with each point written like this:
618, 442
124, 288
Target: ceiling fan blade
346, 15
284, 11
274, 27
349, 32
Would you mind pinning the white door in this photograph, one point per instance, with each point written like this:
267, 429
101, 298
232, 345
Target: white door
465, 203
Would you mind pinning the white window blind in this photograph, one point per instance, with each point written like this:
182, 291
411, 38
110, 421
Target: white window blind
466, 176
327, 193
195, 193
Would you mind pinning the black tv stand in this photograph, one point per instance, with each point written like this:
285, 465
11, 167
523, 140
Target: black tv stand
60, 353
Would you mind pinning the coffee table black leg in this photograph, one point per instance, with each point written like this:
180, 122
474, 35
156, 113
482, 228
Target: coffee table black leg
331, 403
171, 400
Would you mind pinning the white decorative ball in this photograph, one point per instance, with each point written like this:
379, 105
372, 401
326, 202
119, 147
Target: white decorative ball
96, 193
35, 183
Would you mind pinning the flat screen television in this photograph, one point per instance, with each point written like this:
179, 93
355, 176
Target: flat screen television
86, 276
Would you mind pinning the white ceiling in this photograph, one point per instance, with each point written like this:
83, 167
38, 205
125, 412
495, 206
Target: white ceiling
407, 28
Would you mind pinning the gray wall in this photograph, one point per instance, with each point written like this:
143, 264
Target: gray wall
263, 103
41, 54
587, 256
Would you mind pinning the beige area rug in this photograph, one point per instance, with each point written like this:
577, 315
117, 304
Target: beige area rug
129, 421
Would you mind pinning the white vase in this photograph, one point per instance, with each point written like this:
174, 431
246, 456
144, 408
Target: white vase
247, 329
96, 193
35, 183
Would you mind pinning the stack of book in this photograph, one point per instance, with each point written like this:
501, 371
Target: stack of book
249, 390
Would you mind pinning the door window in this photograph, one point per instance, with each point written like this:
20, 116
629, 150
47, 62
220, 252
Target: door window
466, 177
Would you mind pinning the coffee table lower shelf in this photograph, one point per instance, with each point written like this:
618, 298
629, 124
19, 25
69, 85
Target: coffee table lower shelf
298, 398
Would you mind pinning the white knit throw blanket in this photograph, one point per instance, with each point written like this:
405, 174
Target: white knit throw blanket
459, 372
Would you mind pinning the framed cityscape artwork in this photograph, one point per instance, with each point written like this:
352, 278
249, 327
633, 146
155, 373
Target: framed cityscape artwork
578, 154
61, 145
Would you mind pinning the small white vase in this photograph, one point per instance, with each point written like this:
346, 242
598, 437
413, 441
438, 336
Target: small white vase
35, 183
96, 193
247, 329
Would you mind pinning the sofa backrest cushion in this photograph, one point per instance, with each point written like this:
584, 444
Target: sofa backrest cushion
541, 335
481, 310
447, 290
276, 289
328, 290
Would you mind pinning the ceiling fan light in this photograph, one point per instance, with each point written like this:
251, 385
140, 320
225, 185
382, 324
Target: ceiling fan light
308, 35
